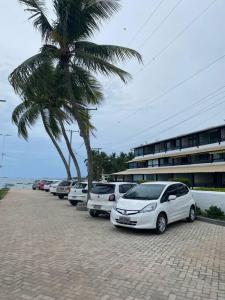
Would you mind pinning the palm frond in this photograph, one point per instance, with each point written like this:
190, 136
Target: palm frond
52, 123
93, 63
17, 112
38, 10
86, 85
22, 73
110, 53
26, 120
78, 19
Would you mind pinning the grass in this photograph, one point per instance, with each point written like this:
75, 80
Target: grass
213, 212
3, 192
208, 189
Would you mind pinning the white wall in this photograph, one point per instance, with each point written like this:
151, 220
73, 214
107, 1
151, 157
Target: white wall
206, 199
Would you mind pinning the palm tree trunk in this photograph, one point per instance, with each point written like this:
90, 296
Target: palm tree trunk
70, 151
57, 147
83, 130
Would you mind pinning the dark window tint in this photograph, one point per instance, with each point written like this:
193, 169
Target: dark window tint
145, 192
171, 190
104, 189
123, 188
64, 183
182, 190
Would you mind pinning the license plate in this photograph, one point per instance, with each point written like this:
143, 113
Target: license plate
124, 219
97, 206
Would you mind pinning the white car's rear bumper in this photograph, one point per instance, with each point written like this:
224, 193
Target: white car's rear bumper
140, 220
79, 198
100, 206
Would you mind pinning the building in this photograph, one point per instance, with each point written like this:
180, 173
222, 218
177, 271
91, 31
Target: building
198, 156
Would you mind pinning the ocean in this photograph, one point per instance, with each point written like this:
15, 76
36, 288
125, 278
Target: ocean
16, 183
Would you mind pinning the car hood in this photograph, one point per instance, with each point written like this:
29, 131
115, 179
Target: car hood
130, 204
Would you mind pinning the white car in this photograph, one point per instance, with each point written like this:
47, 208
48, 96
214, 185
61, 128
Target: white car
78, 193
153, 206
48, 184
104, 196
54, 186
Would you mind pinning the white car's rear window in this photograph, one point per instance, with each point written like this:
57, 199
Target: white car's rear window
103, 189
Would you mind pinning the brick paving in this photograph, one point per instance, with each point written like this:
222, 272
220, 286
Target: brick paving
51, 251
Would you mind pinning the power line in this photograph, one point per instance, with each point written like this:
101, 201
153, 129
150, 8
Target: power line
193, 116
209, 107
160, 24
146, 21
179, 34
182, 82
211, 95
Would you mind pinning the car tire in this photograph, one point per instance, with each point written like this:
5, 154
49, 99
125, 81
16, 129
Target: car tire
161, 223
93, 213
192, 216
73, 203
61, 197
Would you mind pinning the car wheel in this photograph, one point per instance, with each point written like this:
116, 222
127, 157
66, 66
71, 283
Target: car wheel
93, 213
61, 197
191, 217
161, 224
74, 203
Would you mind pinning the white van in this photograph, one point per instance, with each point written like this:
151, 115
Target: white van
104, 196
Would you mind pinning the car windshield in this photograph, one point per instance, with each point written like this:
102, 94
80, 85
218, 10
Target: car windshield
103, 189
145, 192
64, 183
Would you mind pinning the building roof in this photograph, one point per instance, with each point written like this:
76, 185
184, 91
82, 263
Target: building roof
182, 169
179, 136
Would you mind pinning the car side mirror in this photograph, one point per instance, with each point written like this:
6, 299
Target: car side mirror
172, 197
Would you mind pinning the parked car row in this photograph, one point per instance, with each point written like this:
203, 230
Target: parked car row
151, 205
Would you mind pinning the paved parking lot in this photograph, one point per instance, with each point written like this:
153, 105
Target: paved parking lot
49, 250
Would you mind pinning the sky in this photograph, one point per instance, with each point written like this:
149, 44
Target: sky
179, 88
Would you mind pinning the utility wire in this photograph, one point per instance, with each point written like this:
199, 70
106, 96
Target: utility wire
209, 107
174, 87
160, 24
211, 95
179, 34
146, 22
164, 49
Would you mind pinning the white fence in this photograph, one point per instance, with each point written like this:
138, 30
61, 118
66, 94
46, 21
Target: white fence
206, 199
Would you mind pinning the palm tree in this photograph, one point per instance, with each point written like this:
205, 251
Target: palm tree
65, 43
27, 113
47, 95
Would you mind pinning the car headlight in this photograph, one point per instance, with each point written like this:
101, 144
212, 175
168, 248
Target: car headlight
149, 208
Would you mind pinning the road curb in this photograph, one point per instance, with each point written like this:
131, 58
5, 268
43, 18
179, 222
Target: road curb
211, 221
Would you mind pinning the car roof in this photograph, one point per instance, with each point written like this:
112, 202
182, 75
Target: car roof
117, 183
163, 182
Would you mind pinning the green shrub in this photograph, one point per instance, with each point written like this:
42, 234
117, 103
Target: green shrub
215, 212
183, 180
3, 192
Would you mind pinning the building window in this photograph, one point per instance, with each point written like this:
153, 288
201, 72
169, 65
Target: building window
217, 157
139, 152
209, 137
149, 150
153, 163
137, 178
150, 177
223, 134
167, 161
160, 147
